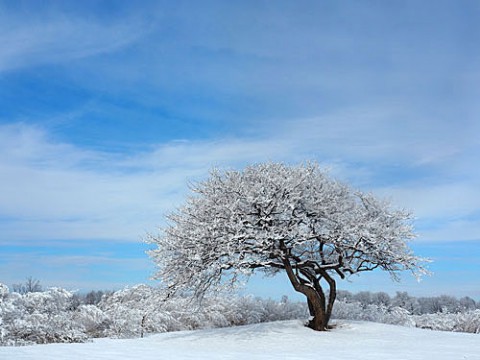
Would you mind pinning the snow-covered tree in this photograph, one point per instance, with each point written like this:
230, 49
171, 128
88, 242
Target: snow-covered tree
466, 303
3, 291
31, 285
274, 217
404, 300
364, 298
381, 298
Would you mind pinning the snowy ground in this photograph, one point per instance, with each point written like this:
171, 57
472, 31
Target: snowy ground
277, 340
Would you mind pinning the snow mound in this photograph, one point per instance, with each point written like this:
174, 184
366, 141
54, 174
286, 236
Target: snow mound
276, 340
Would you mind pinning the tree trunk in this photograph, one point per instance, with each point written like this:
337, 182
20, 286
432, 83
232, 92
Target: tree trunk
319, 321
311, 310
315, 298
144, 318
332, 295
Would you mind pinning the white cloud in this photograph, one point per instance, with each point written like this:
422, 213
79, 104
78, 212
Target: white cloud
446, 211
453, 230
436, 201
382, 133
54, 190
75, 271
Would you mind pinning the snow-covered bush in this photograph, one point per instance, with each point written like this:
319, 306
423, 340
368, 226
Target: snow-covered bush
142, 309
38, 318
397, 316
377, 313
127, 310
3, 291
92, 321
254, 310
3, 308
468, 322
460, 322
55, 316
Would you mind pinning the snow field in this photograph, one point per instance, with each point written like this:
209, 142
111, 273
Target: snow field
276, 340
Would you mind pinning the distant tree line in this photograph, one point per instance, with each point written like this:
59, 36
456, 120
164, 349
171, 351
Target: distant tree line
33, 285
414, 305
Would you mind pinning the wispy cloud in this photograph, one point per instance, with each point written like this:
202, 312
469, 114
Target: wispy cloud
57, 39
446, 211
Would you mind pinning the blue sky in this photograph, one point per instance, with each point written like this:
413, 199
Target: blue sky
108, 109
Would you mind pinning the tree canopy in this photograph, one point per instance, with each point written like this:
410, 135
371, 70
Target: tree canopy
274, 217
